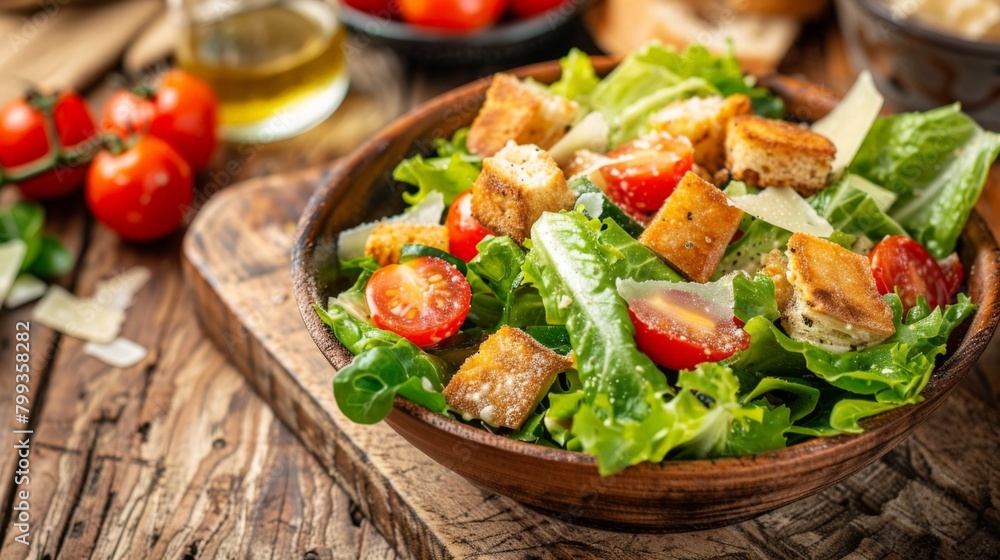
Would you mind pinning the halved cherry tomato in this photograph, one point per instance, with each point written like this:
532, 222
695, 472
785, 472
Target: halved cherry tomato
953, 272
679, 330
454, 15
900, 263
528, 8
464, 230
182, 110
424, 300
647, 171
24, 140
142, 193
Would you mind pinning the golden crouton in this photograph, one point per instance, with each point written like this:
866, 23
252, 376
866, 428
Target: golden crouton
693, 227
516, 186
519, 111
775, 266
387, 240
772, 153
703, 121
834, 304
504, 382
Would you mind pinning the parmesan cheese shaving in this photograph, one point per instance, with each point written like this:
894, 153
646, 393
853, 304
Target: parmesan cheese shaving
719, 292
11, 256
121, 353
82, 318
26, 288
849, 122
118, 291
591, 133
351, 242
783, 207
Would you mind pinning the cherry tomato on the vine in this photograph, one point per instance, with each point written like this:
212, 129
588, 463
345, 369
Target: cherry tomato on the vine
464, 230
452, 15
900, 263
646, 171
424, 300
25, 142
182, 110
142, 193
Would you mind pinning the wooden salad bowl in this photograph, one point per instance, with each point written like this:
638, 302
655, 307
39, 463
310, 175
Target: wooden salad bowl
666, 497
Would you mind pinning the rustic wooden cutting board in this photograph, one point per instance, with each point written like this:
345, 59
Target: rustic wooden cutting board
937, 494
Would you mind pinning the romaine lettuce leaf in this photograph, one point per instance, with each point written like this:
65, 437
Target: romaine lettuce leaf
567, 263
633, 260
754, 297
854, 211
937, 163
355, 334
498, 266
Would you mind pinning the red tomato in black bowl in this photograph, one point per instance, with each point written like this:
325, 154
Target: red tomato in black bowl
25, 142
529, 8
452, 15
142, 193
182, 110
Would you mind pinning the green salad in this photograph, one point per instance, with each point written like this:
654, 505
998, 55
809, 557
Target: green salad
656, 265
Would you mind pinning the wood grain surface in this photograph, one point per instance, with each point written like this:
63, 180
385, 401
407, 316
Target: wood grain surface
936, 495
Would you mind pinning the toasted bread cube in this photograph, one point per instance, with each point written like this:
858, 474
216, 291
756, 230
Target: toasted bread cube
835, 304
775, 266
386, 241
504, 382
516, 186
522, 112
693, 227
773, 153
703, 120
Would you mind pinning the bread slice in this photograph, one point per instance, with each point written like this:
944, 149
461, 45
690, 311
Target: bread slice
522, 112
386, 241
703, 121
834, 304
516, 186
693, 227
773, 153
504, 381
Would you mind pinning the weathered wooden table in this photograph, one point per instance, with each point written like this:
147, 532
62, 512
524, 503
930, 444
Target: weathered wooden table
178, 458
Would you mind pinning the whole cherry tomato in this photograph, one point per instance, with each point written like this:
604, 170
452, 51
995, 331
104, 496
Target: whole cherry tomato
646, 171
141, 193
182, 110
454, 15
25, 142
679, 329
464, 230
424, 300
528, 8
901, 264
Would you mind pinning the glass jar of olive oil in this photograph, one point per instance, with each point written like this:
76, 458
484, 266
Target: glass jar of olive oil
277, 66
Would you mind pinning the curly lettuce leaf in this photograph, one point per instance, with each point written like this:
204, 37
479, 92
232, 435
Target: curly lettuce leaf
578, 78
754, 297
937, 163
451, 172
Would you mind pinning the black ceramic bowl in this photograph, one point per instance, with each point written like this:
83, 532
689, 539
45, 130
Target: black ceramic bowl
507, 40
918, 68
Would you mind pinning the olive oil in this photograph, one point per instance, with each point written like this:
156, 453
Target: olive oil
278, 69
